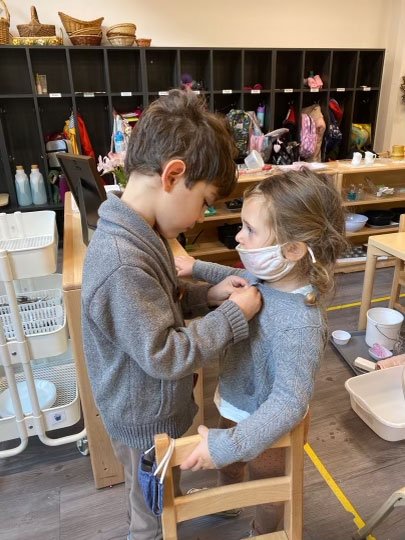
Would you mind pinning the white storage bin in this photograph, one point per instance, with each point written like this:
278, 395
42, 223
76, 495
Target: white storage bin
31, 240
42, 313
65, 412
378, 398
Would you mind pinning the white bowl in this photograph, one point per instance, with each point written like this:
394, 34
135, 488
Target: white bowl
341, 337
355, 222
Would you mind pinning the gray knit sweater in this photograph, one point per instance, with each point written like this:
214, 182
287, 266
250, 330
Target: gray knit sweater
139, 355
271, 375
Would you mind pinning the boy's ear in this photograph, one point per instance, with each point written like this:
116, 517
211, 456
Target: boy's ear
295, 251
172, 172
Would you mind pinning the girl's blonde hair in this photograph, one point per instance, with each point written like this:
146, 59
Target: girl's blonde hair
306, 207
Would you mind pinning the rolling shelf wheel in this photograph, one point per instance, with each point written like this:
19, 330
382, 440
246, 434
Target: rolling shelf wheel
83, 446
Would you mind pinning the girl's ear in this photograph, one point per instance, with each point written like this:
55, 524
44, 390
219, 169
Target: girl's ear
172, 172
294, 251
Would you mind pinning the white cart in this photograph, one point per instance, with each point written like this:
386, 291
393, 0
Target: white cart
34, 345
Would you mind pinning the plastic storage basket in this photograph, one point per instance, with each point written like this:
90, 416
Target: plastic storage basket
60, 370
31, 240
378, 398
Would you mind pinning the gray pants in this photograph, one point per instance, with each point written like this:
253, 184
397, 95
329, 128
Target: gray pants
143, 525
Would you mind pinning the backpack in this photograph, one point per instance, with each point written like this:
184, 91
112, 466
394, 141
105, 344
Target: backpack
333, 135
240, 123
308, 136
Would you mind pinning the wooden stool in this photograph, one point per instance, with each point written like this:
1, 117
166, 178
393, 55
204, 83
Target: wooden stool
287, 488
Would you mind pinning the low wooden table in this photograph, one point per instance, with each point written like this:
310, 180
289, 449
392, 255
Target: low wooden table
391, 245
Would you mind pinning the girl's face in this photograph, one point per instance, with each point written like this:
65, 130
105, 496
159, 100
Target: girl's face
255, 232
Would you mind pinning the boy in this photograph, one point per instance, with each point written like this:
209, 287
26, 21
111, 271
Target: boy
140, 357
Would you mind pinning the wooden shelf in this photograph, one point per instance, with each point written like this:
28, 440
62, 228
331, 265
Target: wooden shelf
372, 200
371, 231
206, 249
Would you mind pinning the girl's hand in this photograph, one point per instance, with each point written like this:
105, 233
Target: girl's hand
184, 265
223, 290
248, 299
200, 457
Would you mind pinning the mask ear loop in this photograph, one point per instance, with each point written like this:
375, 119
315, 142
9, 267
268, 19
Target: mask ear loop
311, 254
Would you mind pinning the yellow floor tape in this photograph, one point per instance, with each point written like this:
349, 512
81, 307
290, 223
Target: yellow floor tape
358, 304
341, 497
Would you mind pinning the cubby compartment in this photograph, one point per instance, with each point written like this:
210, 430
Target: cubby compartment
88, 70
315, 98
223, 103
227, 70
289, 69
317, 63
257, 69
15, 75
197, 64
53, 113
21, 133
94, 111
124, 68
161, 70
369, 70
54, 67
343, 69
282, 103
365, 108
251, 102
124, 105
345, 101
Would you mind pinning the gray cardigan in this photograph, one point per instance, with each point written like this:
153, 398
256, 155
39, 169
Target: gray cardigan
271, 375
140, 356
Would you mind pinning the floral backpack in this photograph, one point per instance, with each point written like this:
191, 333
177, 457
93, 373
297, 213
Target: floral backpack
241, 124
308, 136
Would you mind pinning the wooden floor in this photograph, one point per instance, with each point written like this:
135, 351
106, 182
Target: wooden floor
48, 493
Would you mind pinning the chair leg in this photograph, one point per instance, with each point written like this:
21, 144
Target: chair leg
396, 499
293, 509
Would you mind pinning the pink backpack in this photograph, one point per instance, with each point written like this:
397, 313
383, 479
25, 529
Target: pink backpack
308, 136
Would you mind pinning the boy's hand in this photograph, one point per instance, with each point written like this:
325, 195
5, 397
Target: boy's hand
223, 290
249, 300
184, 265
200, 457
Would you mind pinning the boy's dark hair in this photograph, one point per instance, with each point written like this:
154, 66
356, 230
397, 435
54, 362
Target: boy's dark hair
179, 126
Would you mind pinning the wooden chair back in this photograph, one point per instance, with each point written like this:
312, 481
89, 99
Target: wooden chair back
398, 279
287, 488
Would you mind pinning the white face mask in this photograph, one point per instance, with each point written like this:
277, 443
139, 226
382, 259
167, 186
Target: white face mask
267, 263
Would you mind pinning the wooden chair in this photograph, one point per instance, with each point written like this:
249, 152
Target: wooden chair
398, 280
287, 488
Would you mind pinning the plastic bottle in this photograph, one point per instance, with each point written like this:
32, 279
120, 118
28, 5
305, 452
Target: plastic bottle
119, 140
38, 190
261, 109
22, 187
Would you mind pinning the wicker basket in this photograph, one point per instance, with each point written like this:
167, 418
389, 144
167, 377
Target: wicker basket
95, 31
86, 40
4, 25
35, 28
121, 40
71, 24
122, 29
143, 42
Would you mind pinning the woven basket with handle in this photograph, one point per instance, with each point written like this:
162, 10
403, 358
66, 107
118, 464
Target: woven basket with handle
35, 28
4, 25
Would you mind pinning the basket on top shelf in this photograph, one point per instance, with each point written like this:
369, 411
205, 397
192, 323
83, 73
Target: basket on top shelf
35, 28
71, 24
143, 42
122, 34
4, 24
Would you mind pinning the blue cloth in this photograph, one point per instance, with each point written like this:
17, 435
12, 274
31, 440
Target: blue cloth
150, 484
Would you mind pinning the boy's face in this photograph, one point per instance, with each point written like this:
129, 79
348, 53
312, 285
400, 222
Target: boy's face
183, 207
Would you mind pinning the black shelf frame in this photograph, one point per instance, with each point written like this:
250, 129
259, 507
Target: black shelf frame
95, 80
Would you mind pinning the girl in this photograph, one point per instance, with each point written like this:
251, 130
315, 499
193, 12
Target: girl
292, 233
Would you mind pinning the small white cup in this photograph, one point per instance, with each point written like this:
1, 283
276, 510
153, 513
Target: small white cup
369, 158
356, 158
